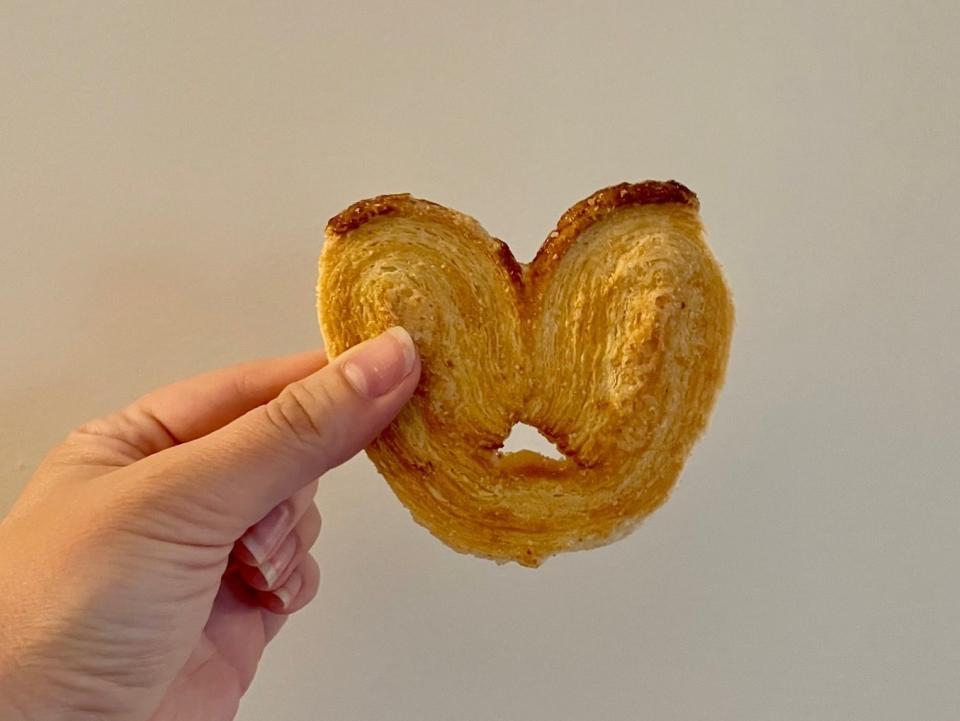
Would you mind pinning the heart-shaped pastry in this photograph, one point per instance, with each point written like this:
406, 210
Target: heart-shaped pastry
613, 342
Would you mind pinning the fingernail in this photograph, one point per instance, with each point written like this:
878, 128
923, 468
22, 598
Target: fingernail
286, 593
263, 538
273, 568
377, 366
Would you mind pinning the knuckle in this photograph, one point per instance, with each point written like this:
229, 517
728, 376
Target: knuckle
93, 430
308, 530
243, 385
88, 443
299, 412
312, 581
315, 520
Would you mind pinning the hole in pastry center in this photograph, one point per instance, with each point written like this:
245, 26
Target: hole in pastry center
527, 438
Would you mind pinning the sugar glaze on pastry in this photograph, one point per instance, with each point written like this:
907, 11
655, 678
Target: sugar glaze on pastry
613, 342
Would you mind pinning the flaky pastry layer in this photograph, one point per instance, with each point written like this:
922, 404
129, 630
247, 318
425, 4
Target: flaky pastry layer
613, 342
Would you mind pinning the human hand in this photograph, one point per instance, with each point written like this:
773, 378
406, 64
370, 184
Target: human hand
132, 588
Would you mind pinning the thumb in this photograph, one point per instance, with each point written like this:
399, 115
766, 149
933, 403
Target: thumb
314, 424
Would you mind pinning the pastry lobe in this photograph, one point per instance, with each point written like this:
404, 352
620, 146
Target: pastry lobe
613, 342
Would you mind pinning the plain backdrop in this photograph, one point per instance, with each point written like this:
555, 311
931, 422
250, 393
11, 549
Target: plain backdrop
166, 170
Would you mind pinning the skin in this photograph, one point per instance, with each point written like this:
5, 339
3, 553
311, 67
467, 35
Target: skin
132, 588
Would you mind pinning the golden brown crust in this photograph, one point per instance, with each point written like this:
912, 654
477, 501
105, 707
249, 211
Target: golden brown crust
613, 342
601, 203
577, 219
365, 210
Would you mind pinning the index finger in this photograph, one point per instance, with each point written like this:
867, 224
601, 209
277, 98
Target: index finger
194, 407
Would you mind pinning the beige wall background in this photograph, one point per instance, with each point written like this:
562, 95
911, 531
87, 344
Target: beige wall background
166, 170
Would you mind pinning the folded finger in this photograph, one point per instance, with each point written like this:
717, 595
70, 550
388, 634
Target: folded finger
263, 539
299, 589
275, 570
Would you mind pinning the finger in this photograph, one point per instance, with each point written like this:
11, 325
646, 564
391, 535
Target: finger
197, 406
192, 408
274, 571
299, 590
268, 454
272, 623
263, 538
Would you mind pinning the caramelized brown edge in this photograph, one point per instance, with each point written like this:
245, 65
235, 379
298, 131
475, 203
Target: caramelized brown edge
571, 224
601, 203
365, 210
